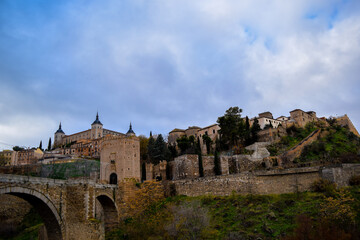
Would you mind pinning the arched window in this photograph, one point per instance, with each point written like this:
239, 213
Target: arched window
113, 178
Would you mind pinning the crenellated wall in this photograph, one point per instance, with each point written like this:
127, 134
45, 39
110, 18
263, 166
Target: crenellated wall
265, 182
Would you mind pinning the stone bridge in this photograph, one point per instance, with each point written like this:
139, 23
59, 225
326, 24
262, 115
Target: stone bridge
70, 209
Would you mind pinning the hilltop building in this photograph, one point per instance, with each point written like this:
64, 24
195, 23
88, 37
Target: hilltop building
97, 131
5, 157
85, 143
27, 156
268, 124
212, 131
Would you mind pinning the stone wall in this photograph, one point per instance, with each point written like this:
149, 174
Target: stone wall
157, 171
345, 121
271, 134
265, 182
240, 163
185, 167
208, 165
295, 152
76, 169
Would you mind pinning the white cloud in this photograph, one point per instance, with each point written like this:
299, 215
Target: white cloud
166, 64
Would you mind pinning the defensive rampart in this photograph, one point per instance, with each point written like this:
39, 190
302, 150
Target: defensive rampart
265, 182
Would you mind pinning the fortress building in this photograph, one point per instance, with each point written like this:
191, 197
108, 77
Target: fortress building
96, 132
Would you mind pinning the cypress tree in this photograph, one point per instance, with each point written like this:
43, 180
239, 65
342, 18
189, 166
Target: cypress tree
150, 147
254, 131
217, 167
143, 173
40, 145
160, 150
201, 168
49, 145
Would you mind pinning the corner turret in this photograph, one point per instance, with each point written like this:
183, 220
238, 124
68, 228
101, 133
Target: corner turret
130, 132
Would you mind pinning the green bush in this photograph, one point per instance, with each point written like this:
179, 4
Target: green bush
354, 180
323, 186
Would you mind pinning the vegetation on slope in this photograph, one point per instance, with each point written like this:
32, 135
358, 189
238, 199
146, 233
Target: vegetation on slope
28, 229
325, 214
294, 136
337, 144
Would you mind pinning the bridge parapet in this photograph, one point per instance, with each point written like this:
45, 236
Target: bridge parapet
70, 204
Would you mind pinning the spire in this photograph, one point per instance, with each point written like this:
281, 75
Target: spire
97, 121
60, 130
130, 132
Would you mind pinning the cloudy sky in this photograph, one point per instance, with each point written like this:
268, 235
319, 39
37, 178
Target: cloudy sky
166, 64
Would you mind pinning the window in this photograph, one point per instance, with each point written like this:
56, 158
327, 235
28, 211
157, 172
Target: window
214, 131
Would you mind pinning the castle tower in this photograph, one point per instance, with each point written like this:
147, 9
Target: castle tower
130, 132
58, 136
96, 128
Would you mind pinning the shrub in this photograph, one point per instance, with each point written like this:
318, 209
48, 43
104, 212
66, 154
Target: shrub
323, 186
354, 180
338, 209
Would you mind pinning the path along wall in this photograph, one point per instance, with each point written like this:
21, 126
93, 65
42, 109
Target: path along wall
265, 182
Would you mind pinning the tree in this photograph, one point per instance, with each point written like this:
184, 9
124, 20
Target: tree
183, 143
40, 145
207, 140
255, 128
150, 147
160, 150
143, 147
231, 127
49, 145
173, 152
217, 167
143, 172
247, 132
17, 148
267, 126
201, 168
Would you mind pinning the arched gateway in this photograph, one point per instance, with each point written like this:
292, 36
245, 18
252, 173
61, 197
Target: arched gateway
43, 206
110, 216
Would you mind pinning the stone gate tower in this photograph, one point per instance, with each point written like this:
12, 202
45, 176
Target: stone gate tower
119, 158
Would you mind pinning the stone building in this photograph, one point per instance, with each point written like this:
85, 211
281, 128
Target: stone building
120, 158
266, 119
5, 157
212, 131
97, 131
301, 118
27, 156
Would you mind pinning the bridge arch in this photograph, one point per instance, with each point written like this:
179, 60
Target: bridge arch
110, 215
43, 206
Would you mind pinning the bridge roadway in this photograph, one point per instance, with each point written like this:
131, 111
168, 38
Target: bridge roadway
71, 209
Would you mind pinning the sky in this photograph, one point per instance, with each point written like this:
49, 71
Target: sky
172, 64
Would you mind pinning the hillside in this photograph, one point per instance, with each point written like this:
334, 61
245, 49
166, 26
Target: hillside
334, 144
325, 214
